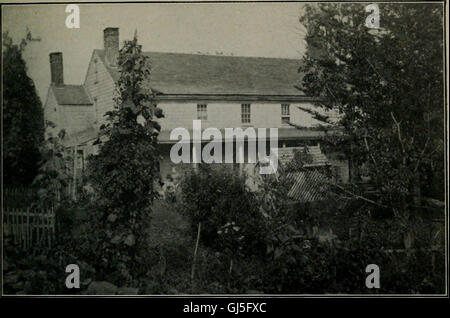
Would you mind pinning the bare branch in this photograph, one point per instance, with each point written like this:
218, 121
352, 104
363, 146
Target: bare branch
398, 131
421, 154
358, 196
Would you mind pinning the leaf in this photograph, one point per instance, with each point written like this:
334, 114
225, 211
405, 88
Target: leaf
277, 253
115, 239
112, 217
130, 240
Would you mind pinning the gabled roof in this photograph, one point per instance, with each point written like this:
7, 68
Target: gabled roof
71, 95
181, 73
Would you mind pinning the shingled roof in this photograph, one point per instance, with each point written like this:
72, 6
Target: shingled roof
71, 95
181, 73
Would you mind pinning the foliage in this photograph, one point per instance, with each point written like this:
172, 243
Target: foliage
390, 100
124, 172
310, 266
300, 159
301, 261
55, 170
23, 124
40, 271
215, 197
297, 260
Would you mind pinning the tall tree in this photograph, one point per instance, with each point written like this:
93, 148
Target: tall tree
23, 123
387, 83
125, 171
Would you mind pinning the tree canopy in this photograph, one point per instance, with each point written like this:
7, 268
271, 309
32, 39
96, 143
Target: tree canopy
387, 84
23, 121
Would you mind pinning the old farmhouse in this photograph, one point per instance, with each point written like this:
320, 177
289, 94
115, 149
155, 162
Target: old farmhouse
221, 91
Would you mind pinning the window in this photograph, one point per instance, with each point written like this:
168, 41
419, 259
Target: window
285, 113
245, 113
202, 112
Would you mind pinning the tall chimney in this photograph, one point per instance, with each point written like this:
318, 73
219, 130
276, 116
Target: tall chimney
111, 45
56, 68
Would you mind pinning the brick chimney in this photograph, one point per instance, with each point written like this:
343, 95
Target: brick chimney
111, 45
56, 68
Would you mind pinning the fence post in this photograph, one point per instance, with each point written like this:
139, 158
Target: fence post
21, 223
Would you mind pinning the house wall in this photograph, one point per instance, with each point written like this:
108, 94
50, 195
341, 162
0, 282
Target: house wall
71, 118
51, 112
76, 118
100, 88
223, 115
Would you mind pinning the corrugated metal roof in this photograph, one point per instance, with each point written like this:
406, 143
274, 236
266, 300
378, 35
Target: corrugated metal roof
71, 95
181, 73
308, 186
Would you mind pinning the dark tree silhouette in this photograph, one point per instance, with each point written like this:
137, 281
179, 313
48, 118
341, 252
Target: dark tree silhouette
23, 123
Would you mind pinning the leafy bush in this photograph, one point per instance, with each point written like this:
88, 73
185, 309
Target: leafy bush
41, 271
124, 173
215, 197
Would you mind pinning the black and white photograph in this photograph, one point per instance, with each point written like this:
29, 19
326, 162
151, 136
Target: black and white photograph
257, 149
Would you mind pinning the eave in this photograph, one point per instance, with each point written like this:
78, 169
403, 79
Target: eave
236, 98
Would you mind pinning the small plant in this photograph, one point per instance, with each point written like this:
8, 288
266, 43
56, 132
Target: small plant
55, 171
231, 239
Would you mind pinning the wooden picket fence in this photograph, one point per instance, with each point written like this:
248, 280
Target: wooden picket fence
30, 228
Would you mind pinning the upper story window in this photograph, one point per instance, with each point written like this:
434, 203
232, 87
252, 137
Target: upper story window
202, 112
285, 113
245, 113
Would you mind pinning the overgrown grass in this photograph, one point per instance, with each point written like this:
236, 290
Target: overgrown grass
171, 255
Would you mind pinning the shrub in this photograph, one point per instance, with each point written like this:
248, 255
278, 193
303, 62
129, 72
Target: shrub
217, 196
124, 173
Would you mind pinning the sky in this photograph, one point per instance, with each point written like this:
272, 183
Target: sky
241, 29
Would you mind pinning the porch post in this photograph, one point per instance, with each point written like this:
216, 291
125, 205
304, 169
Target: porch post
195, 155
240, 154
